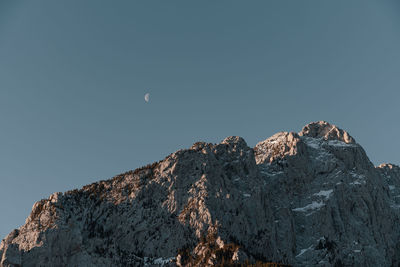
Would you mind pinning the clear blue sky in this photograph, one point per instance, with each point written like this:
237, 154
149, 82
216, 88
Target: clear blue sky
73, 75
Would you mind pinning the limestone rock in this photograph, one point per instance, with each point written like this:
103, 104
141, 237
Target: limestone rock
327, 131
307, 199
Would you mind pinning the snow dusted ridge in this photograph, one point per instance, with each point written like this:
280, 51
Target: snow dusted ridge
311, 198
313, 206
324, 193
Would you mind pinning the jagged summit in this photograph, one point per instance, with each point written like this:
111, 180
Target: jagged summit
307, 199
239, 141
327, 131
277, 146
389, 166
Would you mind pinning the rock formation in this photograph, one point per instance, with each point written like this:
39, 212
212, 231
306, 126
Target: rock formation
305, 199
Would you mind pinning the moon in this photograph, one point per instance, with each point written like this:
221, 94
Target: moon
147, 97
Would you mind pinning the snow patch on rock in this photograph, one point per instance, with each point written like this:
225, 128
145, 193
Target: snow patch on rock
313, 206
324, 193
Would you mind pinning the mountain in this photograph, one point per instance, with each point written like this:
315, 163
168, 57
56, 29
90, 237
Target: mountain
311, 198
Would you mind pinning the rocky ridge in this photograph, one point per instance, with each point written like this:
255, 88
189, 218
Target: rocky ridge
311, 198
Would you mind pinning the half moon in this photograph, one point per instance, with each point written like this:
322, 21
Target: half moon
147, 97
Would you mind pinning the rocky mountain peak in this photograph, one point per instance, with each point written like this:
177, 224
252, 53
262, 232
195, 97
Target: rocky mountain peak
278, 146
307, 199
235, 140
327, 131
390, 167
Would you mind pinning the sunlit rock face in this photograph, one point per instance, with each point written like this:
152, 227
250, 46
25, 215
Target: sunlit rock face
306, 199
327, 131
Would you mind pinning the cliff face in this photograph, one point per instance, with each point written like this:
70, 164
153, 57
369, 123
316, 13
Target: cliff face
305, 199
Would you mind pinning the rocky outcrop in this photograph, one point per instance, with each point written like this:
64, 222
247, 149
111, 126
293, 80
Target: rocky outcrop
306, 199
327, 131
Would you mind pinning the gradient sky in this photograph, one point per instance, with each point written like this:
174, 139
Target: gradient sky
73, 75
